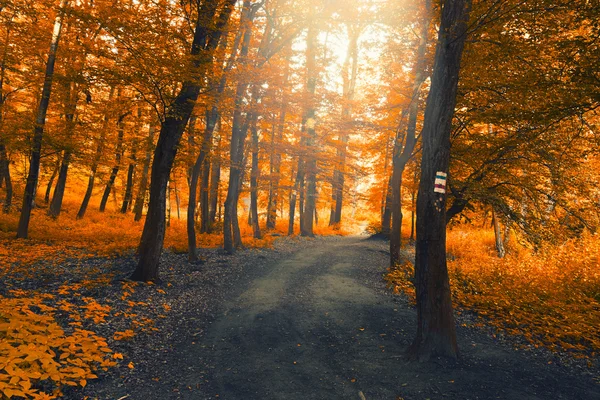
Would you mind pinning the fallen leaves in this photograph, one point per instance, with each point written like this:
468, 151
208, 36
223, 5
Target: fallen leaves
550, 298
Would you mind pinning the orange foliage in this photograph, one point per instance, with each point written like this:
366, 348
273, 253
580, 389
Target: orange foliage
550, 297
34, 348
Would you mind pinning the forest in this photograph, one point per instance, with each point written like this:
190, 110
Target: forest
461, 135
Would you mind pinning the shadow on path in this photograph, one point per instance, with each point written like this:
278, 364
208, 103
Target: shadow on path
320, 325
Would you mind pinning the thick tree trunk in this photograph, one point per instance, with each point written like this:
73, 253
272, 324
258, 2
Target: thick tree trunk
436, 331
5, 173
206, 38
117, 166
306, 228
38, 132
140, 198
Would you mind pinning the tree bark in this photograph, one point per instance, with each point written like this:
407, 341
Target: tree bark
239, 132
348, 97
140, 199
5, 173
215, 179
117, 166
211, 120
95, 162
306, 228
52, 178
254, 175
206, 38
292, 202
61, 183
498, 234
128, 187
386, 218
38, 132
401, 156
436, 331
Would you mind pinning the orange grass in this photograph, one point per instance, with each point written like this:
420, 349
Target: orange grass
550, 297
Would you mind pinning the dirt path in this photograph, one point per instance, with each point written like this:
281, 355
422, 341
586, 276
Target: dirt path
319, 324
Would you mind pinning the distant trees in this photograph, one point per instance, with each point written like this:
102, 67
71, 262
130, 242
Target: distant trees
295, 112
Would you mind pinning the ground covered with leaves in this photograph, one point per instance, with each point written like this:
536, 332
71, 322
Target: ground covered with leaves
73, 326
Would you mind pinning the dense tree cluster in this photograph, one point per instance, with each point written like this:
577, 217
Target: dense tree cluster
295, 110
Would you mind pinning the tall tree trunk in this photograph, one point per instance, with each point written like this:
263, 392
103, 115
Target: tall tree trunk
5, 173
498, 234
292, 201
52, 178
254, 181
191, 147
128, 187
413, 199
95, 162
386, 212
206, 38
4, 161
215, 179
306, 228
61, 183
239, 131
275, 158
436, 331
140, 198
212, 116
401, 156
38, 132
59, 190
168, 203
118, 157
204, 194
348, 97
275, 177
386, 219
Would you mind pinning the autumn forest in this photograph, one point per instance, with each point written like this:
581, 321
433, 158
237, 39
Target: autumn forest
139, 139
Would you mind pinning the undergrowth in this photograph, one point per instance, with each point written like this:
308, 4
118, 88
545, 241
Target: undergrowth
550, 297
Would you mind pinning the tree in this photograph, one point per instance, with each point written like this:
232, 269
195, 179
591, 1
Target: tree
402, 155
436, 331
34, 164
209, 27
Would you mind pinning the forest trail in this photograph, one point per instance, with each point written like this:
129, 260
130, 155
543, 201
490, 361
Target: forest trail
321, 325
312, 319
